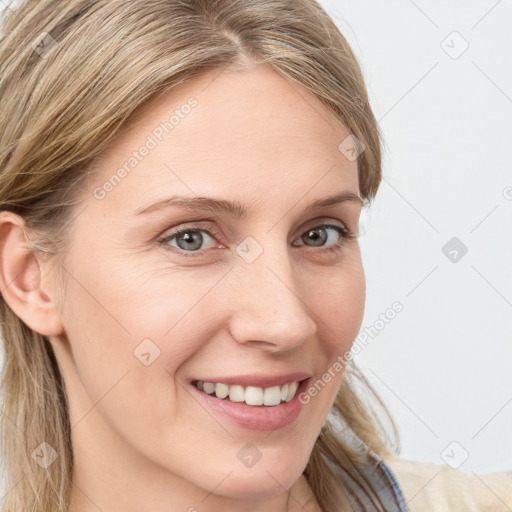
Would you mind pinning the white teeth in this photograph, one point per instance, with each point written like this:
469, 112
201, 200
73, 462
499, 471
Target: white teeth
251, 395
292, 388
208, 387
236, 394
272, 396
221, 390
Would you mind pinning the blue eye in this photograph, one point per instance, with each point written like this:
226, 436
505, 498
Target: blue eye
320, 237
188, 239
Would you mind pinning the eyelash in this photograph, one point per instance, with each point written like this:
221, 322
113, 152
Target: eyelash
345, 236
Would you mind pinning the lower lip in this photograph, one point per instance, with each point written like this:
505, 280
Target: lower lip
255, 417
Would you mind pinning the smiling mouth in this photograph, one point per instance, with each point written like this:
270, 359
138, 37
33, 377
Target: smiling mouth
250, 395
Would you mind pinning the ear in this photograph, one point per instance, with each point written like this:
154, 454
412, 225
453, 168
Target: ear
20, 279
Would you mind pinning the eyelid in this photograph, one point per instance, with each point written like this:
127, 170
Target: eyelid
330, 222
211, 230
322, 221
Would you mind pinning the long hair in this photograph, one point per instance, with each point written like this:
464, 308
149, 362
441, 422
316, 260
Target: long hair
71, 75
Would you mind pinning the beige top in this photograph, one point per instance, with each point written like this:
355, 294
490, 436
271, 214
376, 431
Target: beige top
429, 487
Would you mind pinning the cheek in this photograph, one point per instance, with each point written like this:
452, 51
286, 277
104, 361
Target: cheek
338, 306
338, 303
106, 323
131, 328
117, 305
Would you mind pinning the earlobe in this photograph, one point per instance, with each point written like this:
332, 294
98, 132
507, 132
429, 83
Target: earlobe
20, 279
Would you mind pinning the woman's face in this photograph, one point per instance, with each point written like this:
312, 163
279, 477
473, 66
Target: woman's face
259, 290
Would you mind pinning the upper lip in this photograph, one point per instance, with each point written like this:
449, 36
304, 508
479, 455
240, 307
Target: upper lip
259, 380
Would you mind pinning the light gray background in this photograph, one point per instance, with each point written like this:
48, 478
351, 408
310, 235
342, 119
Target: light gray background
443, 364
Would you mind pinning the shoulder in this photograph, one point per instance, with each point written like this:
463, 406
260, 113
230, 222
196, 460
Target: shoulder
438, 487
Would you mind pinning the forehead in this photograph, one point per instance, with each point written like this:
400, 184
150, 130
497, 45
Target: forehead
228, 132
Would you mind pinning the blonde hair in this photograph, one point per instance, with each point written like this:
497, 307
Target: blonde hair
64, 101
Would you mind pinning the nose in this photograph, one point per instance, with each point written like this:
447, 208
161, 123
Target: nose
269, 310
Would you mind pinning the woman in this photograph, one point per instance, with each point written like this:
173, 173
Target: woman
181, 183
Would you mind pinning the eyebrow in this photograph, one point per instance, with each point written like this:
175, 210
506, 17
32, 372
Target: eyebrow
235, 208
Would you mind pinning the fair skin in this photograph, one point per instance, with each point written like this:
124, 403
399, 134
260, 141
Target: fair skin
142, 439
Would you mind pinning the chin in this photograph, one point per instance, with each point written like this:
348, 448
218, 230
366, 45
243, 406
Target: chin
254, 484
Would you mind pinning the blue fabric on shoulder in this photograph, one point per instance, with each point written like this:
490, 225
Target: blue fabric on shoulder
399, 496
381, 479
